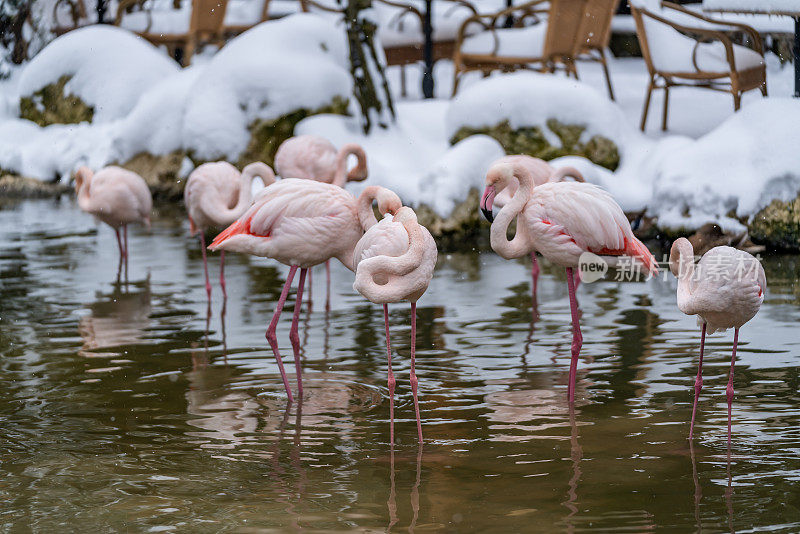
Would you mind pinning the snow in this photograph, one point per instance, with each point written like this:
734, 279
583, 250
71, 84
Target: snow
761, 6
528, 99
299, 61
110, 69
739, 167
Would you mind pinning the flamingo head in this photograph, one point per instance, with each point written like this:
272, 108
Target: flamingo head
388, 201
359, 172
498, 178
82, 177
681, 257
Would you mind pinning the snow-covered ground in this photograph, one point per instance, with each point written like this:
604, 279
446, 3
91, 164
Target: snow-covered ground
710, 162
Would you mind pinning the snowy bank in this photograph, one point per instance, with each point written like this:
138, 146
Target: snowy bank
277, 68
107, 68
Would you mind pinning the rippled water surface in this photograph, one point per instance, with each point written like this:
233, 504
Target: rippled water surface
130, 407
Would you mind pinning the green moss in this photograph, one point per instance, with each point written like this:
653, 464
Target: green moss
162, 173
51, 105
778, 225
531, 140
267, 135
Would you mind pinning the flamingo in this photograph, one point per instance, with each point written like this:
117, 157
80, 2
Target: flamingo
116, 196
394, 262
542, 173
216, 194
725, 290
561, 221
312, 157
301, 224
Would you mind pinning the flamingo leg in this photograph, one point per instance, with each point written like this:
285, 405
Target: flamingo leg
273, 325
391, 382
125, 236
119, 244
729, 389
577, 337
413, 374
205, 262
222, 274
310, 285
328, 285
294, 336
535, 272
698, 382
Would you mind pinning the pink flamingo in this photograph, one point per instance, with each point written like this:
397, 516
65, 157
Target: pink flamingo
116, 196
725, 290
312, 157
394, 262
216, 194
561, 221
542, 173
302, 224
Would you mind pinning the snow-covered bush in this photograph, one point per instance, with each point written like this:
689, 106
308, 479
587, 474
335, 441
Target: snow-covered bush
541, 115
254, 90
101, 68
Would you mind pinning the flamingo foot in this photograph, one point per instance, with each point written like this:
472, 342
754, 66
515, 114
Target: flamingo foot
577, 337
294, 336
729, 389
390, 379
413, 374
698, 382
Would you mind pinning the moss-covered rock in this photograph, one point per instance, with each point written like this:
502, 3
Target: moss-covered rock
531, 140
162, 173
16, 186
778, 225
267, 135
461, 226
52, 105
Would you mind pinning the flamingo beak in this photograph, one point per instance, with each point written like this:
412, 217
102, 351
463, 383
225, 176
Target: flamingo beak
486, 203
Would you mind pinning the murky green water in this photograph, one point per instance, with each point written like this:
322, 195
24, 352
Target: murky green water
118, 411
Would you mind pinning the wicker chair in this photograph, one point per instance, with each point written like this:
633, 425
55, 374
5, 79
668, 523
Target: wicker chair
595, 35
68, 15
236, 23
551, 44
710, 60
176, 28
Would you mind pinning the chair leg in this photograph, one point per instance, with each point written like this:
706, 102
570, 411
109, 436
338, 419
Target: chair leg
188, 52
646, 104
764, 89
666, 106
737, 101
605, 71
456, 79
403, 92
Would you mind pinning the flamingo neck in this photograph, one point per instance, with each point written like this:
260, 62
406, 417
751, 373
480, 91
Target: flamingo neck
519, 245
681, 261
83, 181
359, 172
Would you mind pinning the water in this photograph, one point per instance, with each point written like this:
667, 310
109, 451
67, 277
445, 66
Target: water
130, 408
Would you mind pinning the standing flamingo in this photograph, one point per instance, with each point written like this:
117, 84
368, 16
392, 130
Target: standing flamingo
542, 173
725, 290
312, 157
302, 224
116, 196
561, 221
394, 262
216, 194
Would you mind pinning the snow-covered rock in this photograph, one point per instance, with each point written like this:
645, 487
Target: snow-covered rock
738, 168
108, 69
528, 99
278, 67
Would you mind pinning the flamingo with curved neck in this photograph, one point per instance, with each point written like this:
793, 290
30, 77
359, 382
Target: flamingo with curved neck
394, 262
562, 221
725, 289
313, 157
116, 196
216, 194
301, 224
541, 173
